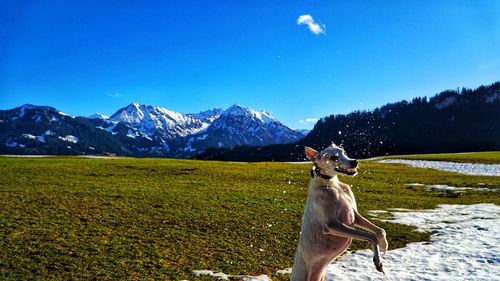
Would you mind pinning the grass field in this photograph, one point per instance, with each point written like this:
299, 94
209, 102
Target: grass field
159, 219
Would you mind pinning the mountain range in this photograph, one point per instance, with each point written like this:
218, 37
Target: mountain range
138, 130
452, 121
459, 120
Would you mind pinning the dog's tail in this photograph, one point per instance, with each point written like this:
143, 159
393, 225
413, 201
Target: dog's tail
299, 270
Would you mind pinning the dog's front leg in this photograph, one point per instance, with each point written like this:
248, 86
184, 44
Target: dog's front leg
340, 229
363, 223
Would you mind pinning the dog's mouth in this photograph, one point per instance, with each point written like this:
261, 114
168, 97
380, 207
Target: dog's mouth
347, 171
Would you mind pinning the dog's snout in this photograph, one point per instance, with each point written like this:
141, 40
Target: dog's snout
354, 163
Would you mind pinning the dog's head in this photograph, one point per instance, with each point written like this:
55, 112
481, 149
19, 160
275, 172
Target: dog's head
332, 161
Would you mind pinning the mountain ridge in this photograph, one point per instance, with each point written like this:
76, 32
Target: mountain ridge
137, 130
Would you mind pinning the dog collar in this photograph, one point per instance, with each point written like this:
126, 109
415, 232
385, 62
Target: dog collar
315, 171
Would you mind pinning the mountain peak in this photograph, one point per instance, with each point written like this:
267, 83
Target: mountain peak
98, 115
238, 110
131, 113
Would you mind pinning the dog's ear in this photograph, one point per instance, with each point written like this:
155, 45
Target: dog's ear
333, 145
311, 153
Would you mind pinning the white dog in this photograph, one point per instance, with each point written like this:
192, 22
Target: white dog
330, 217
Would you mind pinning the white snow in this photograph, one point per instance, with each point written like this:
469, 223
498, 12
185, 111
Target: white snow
69, 138
189, 143
464, 246
32, 137
65, 114
464, 168
49, 133
443, 187
222, 276
98, 115
454, 189
238, 110
151, 120
131, 134
110, 128
28, 136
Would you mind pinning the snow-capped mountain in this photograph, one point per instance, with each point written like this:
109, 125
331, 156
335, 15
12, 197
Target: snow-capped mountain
154, 121
240, 125
31, 129
140, 130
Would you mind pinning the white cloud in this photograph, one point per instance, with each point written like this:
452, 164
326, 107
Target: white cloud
308, 120
114, 95
313, 26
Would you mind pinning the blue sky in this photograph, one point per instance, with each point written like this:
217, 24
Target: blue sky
188, 56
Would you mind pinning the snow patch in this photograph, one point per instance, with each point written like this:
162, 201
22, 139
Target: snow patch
65, 114
443, 187
28, 136
110, 128
223, 276
69, 138
453, 189
131, 134
32, 137
463, 168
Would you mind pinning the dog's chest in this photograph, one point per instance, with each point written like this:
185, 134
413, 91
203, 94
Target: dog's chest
336, 203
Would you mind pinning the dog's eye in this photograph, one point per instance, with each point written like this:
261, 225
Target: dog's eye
333, 157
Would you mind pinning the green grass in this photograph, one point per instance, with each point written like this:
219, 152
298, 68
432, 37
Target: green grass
490, 157
108, 219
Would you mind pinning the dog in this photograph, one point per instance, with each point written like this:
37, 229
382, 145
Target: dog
330, 217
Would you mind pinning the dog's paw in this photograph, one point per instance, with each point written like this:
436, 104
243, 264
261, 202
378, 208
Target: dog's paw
378, 264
